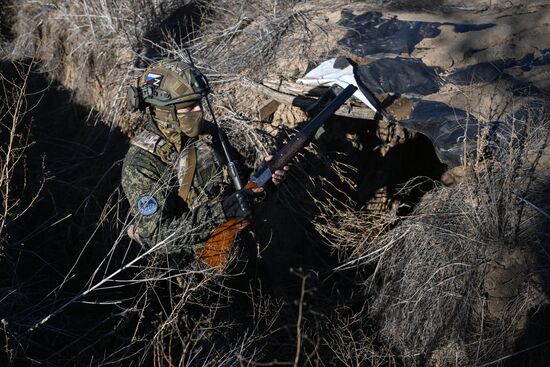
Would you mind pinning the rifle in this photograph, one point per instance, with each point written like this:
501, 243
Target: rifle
231, 165
218, 247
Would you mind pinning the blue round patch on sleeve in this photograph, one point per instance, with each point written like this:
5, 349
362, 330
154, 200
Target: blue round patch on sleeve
147, 205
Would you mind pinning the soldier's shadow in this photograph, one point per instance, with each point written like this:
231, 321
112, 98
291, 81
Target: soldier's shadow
66, 180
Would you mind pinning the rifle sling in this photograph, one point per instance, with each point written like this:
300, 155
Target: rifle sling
187, 182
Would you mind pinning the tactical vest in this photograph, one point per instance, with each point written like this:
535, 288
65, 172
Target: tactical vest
198, 166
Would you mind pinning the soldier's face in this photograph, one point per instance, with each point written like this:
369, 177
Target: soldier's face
194, 108
189, 119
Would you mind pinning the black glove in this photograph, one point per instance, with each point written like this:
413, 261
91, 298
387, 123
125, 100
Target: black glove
238, 204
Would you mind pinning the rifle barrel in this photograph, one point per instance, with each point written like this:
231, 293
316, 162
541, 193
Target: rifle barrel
284, 155
318, 121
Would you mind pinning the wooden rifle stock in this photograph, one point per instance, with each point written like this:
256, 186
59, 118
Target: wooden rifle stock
217, 249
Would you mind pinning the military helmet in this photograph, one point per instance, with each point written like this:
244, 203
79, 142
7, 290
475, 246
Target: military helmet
168, 82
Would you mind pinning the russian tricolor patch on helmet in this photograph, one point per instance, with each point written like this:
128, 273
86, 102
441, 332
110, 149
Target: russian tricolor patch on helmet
154, 79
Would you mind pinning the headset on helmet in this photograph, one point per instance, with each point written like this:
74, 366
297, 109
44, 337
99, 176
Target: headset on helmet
165, 83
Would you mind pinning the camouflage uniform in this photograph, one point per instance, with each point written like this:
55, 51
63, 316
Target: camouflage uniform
182, 223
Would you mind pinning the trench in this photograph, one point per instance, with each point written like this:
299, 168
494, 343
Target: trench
73, 168
68, 183
80, 211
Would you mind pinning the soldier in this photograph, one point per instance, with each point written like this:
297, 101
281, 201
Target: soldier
174, 174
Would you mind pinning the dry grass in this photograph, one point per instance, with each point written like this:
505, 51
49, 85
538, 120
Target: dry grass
242, 38
456, 281
90, 47
16, 197
95, 48
431, 288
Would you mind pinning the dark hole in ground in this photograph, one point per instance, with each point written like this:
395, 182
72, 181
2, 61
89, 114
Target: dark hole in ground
386, 159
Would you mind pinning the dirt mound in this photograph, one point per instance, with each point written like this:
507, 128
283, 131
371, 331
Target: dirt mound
457, 279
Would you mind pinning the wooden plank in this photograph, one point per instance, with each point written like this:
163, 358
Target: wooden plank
347, 110
287, 87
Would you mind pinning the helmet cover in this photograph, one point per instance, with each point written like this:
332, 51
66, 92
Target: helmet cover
168, 82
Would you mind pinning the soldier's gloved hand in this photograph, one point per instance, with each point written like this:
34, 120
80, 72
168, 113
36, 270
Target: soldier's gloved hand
238, 204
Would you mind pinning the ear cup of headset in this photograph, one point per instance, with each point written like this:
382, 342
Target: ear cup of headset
134, 99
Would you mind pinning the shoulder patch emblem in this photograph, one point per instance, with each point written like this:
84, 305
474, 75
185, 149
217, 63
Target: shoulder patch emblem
147, 205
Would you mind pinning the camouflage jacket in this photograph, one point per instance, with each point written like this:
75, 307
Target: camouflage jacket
151, 186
